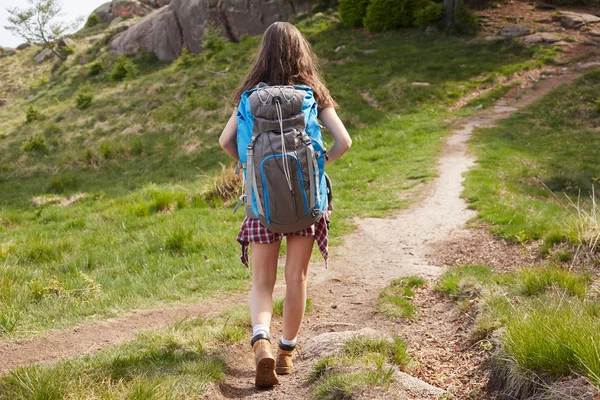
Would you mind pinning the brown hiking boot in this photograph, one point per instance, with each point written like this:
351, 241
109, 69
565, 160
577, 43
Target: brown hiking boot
284, 363
265, 364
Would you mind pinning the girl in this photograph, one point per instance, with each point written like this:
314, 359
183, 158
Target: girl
284, 58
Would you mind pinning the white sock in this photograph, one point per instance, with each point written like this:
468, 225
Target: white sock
256, 329
288, 342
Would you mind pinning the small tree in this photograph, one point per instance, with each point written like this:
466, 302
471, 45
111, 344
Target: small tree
37, 24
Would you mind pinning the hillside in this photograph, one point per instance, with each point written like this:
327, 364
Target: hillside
115, 195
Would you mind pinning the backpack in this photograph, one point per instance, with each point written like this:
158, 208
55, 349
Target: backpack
282, 156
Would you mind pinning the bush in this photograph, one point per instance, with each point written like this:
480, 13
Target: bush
84, 97
36, 143
383, 15
32, 114
213, 41
92, 20
95, 68
66, 50
430, 13
352, 12
124, 68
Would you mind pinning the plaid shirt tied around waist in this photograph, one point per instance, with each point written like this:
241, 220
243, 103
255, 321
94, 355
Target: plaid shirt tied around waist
252, 231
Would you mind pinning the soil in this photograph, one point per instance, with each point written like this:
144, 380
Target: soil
422, 240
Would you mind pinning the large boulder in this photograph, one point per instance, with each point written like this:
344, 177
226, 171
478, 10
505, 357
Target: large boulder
104, 12
571, 19
182, 24
43, 55
129, 9
23, 46
160, 34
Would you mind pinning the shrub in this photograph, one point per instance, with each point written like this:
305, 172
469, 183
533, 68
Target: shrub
136, 147
92, 20
352, 12
124, 68
213, 41
84, 97
61, 183
66, 50
429, 13
95, 68
383, 15
32, 114
35, 143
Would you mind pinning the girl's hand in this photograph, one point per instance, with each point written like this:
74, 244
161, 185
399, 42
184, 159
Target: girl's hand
342, 139
229, 135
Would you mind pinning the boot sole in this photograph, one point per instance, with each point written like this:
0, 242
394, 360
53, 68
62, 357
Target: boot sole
284, 370
265, 373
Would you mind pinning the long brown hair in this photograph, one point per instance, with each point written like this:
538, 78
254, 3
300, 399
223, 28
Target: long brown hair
284, 57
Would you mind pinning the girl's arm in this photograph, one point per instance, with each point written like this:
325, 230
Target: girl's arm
228, 137
340, 135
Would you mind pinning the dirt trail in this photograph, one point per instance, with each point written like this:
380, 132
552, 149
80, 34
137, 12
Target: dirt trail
343, 295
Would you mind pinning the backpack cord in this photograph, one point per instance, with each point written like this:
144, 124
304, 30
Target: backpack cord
286, 169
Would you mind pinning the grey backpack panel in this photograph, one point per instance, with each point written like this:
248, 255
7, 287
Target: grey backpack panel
281, 162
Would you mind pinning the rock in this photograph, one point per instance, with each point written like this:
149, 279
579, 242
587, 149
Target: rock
160, 34
515, 30
65, 42
3, 102
43, 55
543, 37
23, 46
544, 6
594, 32
403, 383
494, 38
156, 3
574, 20
115, 22
129, 9
423, 84
339, 48
104, 12
7, 51
182, 22
590, 65
330, 342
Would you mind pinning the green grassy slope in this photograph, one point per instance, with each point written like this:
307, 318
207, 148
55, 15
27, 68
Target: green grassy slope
146, 150
537, 170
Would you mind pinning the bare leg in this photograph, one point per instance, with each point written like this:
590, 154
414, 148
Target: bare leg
264, 275
299, 249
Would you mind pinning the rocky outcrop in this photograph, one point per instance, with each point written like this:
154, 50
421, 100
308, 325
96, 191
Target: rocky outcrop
129, 8
23, 46
542, 37
126, 9
160, 34
43, 55
6, 51
103, 12
182, 23
570, 19
515, 30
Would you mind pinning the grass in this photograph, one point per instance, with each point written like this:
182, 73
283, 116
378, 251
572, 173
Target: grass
395, 300
360, 364
278, 306
536, 170
152, 229
550, 322
180, 361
